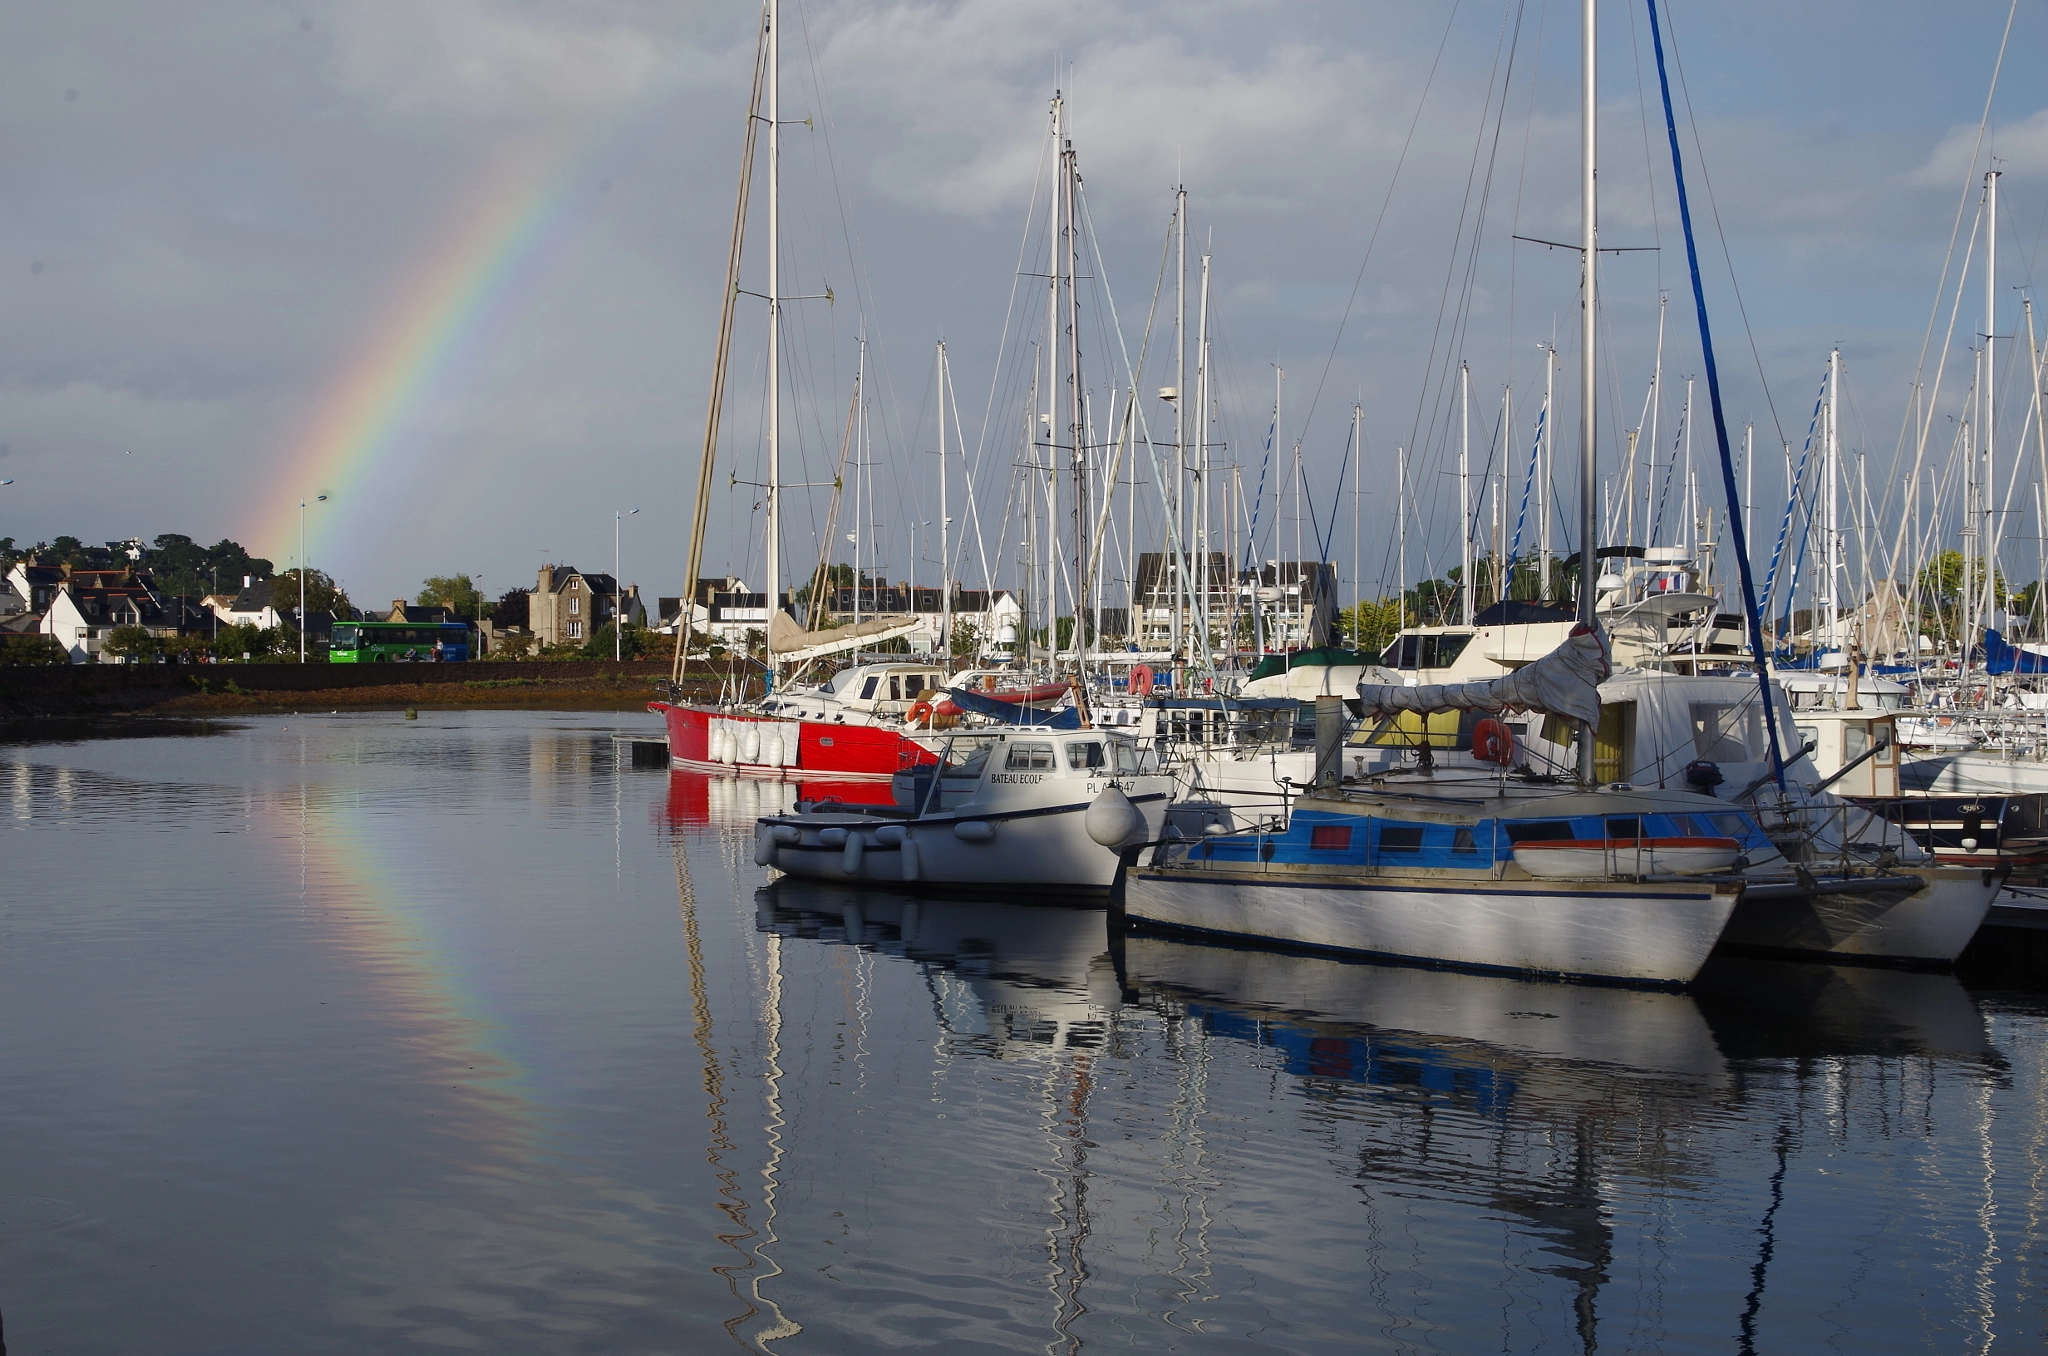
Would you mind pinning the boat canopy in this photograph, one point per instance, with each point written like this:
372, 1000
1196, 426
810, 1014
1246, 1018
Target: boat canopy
1565, 682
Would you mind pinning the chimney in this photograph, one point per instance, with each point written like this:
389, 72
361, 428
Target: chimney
547, 579
247, 580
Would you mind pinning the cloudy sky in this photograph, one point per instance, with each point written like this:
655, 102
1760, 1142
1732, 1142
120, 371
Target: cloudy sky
456, 263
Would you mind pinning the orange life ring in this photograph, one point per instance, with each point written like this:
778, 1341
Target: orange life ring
921, 714
1141, 680
1493, 742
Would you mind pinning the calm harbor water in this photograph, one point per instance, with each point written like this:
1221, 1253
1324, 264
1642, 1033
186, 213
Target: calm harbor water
348, 1033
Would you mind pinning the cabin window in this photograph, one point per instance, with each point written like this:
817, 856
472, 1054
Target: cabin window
1808, 735
1731, 826
1332, 838
895, 688
1727, 732
1440, 652
1624, 828
867, 689
1128, 764
1083, 757
1400, 838
1541, 831
1030, 757
1463, 843
1855, 739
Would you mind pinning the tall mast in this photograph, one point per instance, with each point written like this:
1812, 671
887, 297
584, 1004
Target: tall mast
1076, 421
1201, 427
1465, 493
1589, 298
1831, 508
1179, 573
860, 453
1543, 472
1401, 530
945, 537
774, 488
1989, 437
1357, 464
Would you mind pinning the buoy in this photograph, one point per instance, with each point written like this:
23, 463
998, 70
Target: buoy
1112, 819
920, 715
1141, 680
849, 856
411, 714
1493, 742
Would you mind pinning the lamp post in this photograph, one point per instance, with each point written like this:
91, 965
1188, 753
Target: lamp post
618, 593
318, 499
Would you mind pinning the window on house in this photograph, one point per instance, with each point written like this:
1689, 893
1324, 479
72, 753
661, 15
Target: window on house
575, 630
575, 607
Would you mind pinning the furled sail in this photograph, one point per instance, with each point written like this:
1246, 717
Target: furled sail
1565, 682
792, 644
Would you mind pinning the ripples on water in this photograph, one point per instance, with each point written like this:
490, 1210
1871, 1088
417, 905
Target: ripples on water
346, 1033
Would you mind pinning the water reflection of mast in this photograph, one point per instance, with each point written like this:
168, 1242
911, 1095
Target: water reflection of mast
730, 1203
772, 1130
1068, 1174
1187, 1151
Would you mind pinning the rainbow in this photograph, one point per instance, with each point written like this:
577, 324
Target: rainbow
434, 315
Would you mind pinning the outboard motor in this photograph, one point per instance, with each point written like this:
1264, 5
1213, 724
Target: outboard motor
1703, 775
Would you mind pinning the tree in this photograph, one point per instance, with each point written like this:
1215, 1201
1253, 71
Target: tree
835, 576
1369, 625
511, 645
32, 648
632, 641
512, 609
182, 566
1942, 593
457, 591
322, 593
131, 643
966, 639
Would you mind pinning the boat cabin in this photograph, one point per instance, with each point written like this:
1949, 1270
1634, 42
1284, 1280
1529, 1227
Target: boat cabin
867, 689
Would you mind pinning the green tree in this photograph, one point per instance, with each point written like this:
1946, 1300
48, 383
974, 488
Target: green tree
32, 648
513, 608
322, 593
248, 638
1369, 624
1943, 589
632, 641
966, 639
511, 645
131, 643
835, 576
457, 591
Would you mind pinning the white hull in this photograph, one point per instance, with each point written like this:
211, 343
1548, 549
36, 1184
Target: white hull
1987, 772
1930, 925
1042, 850
1644, 933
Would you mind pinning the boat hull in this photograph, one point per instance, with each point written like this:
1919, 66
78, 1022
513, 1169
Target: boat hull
1927, 925
1614, 930
790, 750
1045, 848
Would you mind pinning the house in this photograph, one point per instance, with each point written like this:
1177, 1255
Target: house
80, 616
36, 585
702, 602
435, 614
251, 607
568, 606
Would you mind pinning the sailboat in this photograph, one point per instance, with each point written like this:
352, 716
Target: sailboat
851, 728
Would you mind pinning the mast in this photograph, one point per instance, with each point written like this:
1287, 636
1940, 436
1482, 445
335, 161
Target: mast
860, 450
1465, 492
1589, 205
1543, 474
1831, 508
945, 538
1201, 425
1401, 530
774, 488
1180, 415
1357, 579
1076, 422
1989, 437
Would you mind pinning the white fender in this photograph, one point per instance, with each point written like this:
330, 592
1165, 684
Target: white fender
909, 851
849, 856
764, 845
749, 743
889, 835
1112, 819
833, 837
975, 831
788, 833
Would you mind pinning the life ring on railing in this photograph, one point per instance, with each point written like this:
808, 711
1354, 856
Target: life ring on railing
1493, 742
921, 715
1141, 680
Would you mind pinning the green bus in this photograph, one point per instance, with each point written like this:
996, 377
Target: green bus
374, 642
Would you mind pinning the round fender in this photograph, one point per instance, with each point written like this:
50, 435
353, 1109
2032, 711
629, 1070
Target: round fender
832, 837
1493, 742
1142, 679
975, 831
850, 854
1112, 819
764, 845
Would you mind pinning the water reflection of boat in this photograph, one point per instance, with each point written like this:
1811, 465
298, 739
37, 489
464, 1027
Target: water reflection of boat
697, 800
1771, 1009
1010, 976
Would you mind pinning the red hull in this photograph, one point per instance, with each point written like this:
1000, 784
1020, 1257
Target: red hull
825, 752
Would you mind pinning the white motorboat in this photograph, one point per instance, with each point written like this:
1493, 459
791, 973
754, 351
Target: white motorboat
1002, 809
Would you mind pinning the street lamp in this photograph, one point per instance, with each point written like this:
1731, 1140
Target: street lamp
318, 499
618, 593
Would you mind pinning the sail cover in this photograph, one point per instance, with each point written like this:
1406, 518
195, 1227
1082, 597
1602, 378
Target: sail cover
1565, 682
1015, 713
792, 644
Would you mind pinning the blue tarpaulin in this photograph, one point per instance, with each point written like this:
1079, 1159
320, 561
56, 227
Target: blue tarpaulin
1015, 713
